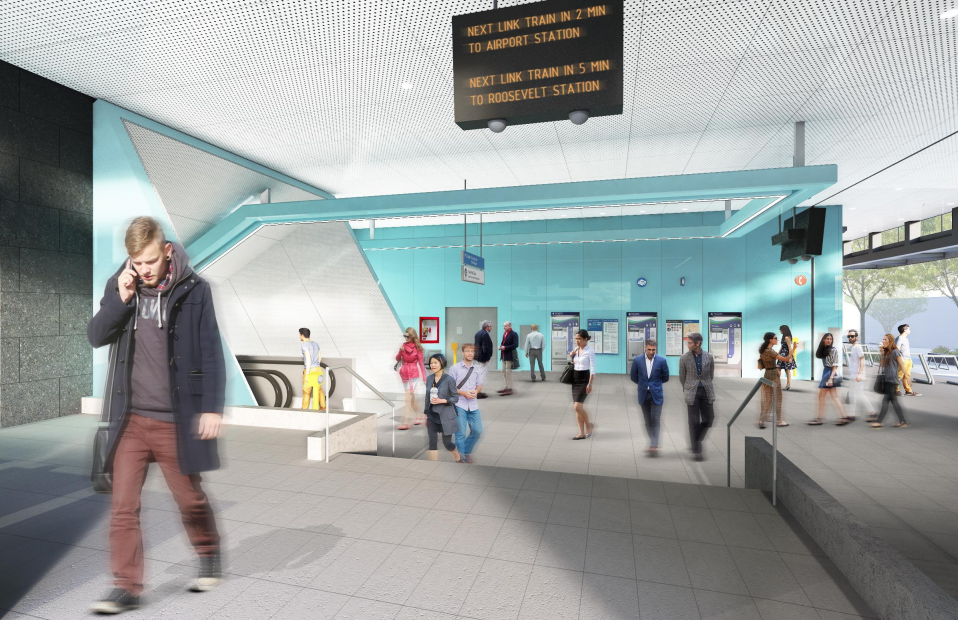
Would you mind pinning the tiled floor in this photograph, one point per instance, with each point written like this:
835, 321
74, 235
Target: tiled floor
903, 482
371, 537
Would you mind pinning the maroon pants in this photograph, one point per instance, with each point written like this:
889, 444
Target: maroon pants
143, 440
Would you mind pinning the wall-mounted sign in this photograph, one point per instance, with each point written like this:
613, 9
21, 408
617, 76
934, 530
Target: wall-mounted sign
801, 280
537, 62
676, 333
639, 327
641, 282
473, 268
429, 329
564, 326
604, 336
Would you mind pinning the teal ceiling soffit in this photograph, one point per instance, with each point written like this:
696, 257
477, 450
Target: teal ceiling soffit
107, 112
792, 185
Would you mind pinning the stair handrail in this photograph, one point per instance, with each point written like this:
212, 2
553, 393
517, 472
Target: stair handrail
728, 434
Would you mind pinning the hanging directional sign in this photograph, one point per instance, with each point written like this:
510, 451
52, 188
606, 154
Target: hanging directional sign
473, 268
538, 62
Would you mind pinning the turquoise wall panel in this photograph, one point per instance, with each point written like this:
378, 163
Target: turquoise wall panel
527, 282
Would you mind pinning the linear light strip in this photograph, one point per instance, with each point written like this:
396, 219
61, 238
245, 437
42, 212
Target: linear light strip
755, 215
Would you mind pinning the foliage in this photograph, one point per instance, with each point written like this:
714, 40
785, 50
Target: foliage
890, 312
943, 350
863, 286
936, 276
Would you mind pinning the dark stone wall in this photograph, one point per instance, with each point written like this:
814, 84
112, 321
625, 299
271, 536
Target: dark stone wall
46, 247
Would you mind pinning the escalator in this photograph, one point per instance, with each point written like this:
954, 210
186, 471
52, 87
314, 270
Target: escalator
271, 379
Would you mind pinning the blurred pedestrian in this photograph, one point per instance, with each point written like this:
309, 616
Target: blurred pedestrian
649, 372
891, 366
441, 416
787, 350
768, 361
831, 379
583, 368
508, 355
856, 373
696, 369
484, 351
904, 372
534, 345
413, 375
465, 374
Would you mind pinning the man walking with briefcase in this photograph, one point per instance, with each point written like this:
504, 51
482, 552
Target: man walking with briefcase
163, 401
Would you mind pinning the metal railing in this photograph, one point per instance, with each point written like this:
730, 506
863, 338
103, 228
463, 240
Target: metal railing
364, 382
728, 434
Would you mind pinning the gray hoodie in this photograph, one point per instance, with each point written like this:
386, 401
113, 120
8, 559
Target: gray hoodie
150, 378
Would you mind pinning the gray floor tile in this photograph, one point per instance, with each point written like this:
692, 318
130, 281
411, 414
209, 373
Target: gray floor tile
606, 597
695, 524
660, 560
572, 510
495, 502
611, 488
305, 563
766, 576
497, 591
532, 506
509, 478
723, 606
574, 484
658, 601
518, 541
649, 519
398, 575
353, 567
396, 525
610, 514
647, 491
711, 567
787, 536
610, 553
775, 610
260, 600
684, 495
309, 603
475, 535
562, 547
445, 585
741, 529
824, 585
435, 530
552, 594
542, 481
365, 609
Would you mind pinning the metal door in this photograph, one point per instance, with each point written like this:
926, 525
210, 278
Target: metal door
462, 325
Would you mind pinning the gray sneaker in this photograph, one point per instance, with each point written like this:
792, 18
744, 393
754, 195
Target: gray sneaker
116, 602
210, 575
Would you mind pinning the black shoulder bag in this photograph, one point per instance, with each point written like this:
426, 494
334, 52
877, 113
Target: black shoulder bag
101, 476
568, 373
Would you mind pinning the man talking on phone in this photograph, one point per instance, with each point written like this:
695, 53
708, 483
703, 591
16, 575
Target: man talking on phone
167, 382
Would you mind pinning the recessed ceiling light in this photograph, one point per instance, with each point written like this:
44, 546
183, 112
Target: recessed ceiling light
950, 14
406, 85
685, 208
950, 203
853, 208
898, 189
641, 211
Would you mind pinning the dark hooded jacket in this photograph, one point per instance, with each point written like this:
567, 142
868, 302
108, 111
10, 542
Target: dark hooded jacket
195, 369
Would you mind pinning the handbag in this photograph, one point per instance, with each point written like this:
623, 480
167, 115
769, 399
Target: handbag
836, 379
880, 382
568, 373
100, 475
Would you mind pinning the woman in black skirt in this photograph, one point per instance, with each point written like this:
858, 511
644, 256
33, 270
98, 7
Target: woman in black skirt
583, 359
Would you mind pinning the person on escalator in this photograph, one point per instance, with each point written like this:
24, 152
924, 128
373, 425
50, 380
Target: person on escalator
312, 372
412, 371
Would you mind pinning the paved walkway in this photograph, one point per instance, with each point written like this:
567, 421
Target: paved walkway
372, 537
902, 482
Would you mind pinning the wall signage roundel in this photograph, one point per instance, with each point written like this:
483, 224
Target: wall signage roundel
801, 280
642, 282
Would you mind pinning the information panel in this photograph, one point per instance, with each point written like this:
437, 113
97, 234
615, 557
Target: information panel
640, 326
563, 328
676, 333
605, 336
537, 62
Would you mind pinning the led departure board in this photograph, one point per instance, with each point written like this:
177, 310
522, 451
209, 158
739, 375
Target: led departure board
537, 62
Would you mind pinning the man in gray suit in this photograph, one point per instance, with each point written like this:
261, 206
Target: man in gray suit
696, 370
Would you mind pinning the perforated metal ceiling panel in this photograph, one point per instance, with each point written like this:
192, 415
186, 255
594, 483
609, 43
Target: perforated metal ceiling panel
198, 188
314, 89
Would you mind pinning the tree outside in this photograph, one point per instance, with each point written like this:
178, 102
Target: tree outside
890, 312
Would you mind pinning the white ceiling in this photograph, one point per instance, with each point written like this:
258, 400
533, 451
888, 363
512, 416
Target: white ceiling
313, 89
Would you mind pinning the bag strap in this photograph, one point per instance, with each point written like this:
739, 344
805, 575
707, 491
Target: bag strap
466, 378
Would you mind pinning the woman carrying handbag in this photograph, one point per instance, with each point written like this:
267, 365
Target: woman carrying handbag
887, 383
582, 367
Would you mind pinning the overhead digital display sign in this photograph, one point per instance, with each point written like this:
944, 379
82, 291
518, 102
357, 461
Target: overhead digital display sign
538, 62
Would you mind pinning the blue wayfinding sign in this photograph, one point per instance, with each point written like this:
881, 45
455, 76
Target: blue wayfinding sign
473, 260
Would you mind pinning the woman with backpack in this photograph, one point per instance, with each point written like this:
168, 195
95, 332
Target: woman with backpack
412, 371
768, 361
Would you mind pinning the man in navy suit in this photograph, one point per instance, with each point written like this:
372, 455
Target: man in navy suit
649, 372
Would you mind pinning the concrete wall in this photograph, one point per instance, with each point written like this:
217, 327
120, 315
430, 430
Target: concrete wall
46, 205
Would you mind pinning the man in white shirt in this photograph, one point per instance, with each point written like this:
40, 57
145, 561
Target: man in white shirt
534, 342
904, 371
856, 371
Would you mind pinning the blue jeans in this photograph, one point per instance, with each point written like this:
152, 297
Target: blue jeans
474, 421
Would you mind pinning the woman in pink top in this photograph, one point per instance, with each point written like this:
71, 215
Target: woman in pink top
413, 374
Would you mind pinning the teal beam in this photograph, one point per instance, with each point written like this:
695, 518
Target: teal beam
794, 184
